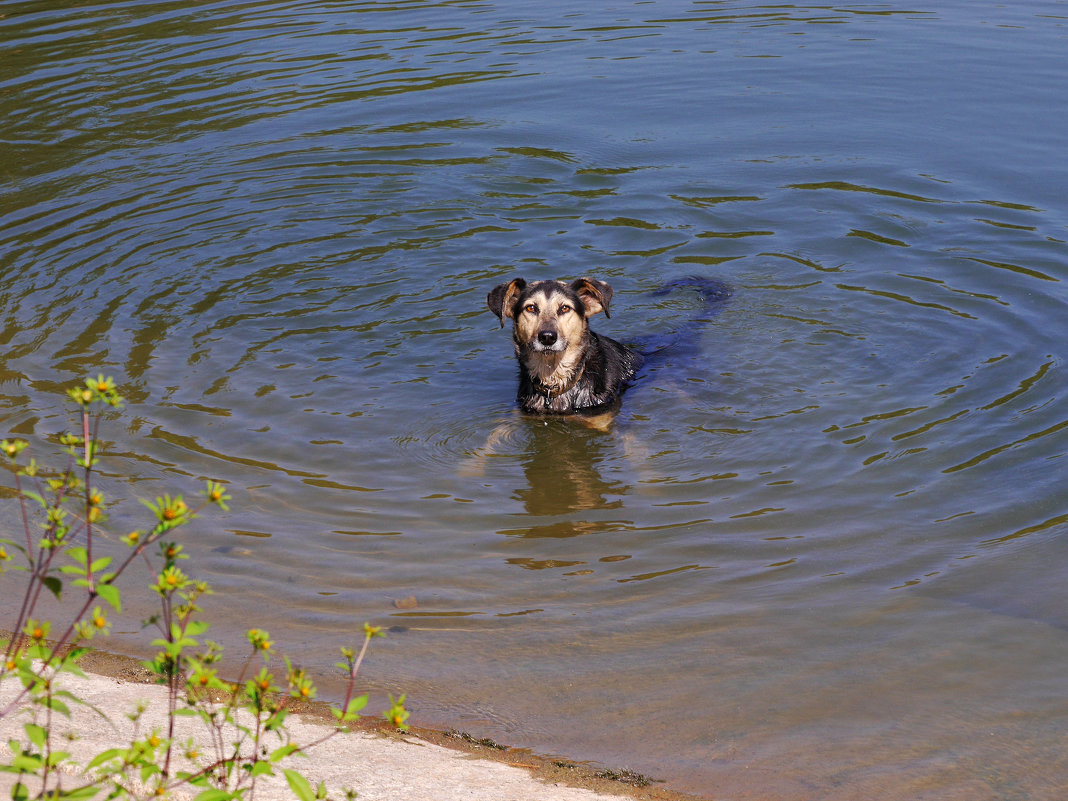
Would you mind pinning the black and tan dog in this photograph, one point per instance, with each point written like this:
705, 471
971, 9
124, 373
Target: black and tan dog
564, 367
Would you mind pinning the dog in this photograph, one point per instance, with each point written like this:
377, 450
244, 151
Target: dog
564, 367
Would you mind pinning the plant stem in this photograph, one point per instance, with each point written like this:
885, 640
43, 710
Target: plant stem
88, 443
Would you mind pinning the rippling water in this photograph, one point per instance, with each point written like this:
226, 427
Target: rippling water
820, 552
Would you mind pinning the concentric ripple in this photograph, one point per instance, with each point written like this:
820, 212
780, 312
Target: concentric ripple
827, 505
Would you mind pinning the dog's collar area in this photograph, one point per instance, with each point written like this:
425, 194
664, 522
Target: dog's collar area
552, 393
544, 390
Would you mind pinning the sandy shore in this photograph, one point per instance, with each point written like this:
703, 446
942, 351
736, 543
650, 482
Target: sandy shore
377, 764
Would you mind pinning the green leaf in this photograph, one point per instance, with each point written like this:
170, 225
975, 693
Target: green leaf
351, 712
37, 734
69, 662
275, 721
57, 756
261, 768
104, 756
110, 593
69, 696
79, 793
19, 792
79, 555
33, 496
54, 585
26, 763
37, 651
281, 753
100, 564
196, 627
148, 770
214, 795
58, 706
299, 785
71, 667
356, 704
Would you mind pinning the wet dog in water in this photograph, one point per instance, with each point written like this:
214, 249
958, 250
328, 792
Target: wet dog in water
564, 367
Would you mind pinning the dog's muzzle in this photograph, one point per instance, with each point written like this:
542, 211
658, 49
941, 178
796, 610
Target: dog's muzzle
548, 341
547, 338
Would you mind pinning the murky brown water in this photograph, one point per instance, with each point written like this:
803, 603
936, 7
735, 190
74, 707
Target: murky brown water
819, 554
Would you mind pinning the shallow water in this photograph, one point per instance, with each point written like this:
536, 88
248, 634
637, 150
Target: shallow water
820, 552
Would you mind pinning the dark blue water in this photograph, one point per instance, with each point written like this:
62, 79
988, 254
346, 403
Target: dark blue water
819, 552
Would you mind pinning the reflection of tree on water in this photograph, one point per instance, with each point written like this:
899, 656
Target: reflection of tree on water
563, 482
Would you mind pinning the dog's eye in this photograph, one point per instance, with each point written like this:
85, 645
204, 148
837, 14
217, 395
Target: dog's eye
565, 309
530, 307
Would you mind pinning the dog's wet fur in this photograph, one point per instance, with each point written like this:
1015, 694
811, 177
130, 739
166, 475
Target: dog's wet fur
564, 367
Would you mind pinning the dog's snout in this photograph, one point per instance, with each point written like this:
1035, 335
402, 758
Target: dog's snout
547, 338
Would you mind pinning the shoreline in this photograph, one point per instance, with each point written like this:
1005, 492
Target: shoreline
411, 758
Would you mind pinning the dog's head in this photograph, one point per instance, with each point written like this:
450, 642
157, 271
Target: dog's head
549, 316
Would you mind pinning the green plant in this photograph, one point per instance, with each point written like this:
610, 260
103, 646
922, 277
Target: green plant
239, 718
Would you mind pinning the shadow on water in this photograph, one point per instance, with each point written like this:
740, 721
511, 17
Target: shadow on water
679, 347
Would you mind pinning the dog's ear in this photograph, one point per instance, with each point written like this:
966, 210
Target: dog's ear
595, 295
501, 299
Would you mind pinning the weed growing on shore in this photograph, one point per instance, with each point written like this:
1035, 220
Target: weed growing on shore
243, 721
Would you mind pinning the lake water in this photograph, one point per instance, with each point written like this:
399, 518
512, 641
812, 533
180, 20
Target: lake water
821, 551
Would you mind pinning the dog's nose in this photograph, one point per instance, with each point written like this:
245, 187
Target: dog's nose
547, 338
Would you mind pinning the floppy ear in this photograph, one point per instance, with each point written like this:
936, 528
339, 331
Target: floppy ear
501, 299
594, 294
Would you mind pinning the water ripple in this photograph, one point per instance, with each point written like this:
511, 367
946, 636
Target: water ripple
277, 223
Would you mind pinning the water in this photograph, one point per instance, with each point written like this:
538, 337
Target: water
820, 552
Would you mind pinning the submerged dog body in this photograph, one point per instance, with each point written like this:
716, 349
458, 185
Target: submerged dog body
564, 367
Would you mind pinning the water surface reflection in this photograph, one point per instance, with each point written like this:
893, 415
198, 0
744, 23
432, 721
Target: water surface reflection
817, 553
